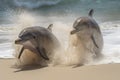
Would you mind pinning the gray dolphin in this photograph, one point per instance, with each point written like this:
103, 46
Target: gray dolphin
37, 39
87, 29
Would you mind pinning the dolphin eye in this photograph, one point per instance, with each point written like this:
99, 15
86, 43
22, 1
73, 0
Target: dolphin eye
33, 36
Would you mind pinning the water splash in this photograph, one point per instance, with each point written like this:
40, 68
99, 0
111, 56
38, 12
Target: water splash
61, 30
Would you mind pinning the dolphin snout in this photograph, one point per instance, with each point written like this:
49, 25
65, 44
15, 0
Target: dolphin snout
73, 32
17, 41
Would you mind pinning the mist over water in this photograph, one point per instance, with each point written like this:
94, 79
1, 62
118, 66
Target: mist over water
18, 14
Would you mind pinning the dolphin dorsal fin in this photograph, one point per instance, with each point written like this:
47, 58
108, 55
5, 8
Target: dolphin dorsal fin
91, 13
50, 27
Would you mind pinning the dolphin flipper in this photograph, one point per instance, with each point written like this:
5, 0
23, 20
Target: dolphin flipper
94, 41
42, 53
21, 51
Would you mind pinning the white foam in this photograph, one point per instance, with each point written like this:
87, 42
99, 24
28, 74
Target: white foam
111, 50
6, 50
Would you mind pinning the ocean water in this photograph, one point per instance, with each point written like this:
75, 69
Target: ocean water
17, 14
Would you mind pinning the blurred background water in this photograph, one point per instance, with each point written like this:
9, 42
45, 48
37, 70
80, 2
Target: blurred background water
105, 10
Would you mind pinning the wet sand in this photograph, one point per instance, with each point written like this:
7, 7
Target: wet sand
94, 72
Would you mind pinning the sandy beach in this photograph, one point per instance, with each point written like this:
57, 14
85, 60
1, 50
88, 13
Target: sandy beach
93, 72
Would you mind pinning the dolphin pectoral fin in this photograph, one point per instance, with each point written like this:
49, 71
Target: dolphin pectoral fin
21, 51
93, 39
42, 53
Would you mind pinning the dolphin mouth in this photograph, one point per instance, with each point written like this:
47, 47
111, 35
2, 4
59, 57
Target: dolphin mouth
74, 31
17, 41
20, 41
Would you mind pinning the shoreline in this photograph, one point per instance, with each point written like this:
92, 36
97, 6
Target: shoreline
93, 72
